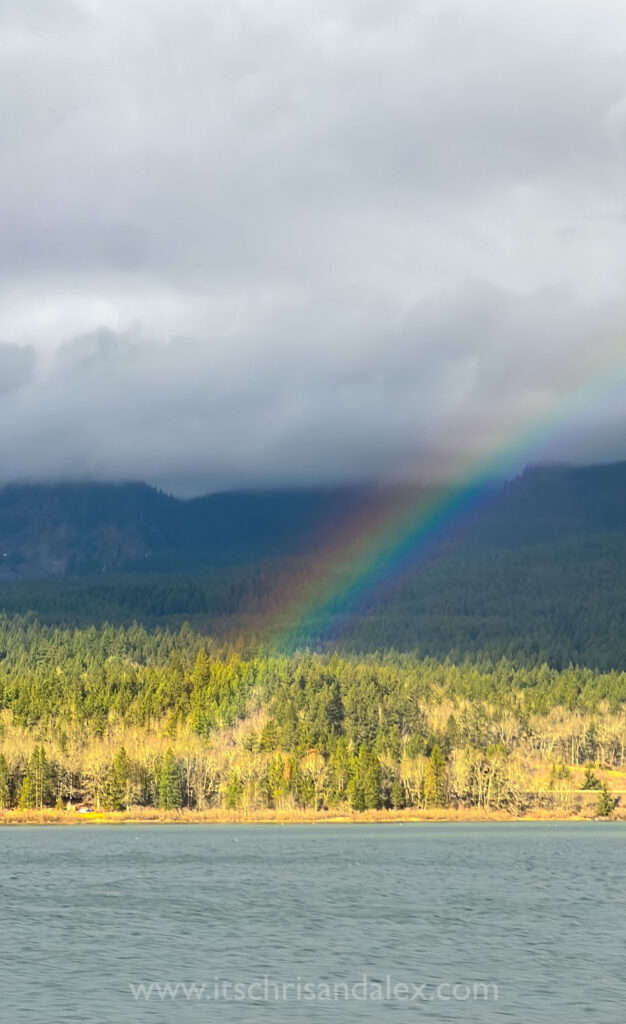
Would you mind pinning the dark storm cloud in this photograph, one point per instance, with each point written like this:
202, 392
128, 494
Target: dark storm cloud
271, 242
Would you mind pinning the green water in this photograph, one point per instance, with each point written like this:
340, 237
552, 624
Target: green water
314, 923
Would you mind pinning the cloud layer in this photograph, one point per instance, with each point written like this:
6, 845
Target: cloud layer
251, 243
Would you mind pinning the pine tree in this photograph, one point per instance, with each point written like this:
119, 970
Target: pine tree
269, 736
27, 799
435, 781
118, 790
233, 792
396, 794
278, 778
356, 794
591, 780
199, 698
372, 781
5, 793
335, 710
364, 788
170, 797
40, 777
340, 765
289, 726
605, 802
201, 675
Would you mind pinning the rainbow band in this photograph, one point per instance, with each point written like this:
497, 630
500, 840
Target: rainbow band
406, 531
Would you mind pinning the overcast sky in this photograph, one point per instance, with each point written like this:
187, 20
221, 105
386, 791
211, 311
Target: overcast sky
250, 242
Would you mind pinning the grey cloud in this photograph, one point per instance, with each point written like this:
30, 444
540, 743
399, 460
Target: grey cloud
373, 401
17, 366
269, 242
125, 246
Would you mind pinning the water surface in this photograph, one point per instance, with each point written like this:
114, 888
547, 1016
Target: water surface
408, 921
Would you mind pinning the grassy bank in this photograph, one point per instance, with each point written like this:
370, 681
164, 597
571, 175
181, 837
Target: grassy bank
583, 809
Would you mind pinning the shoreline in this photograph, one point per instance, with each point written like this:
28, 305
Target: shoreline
136, 816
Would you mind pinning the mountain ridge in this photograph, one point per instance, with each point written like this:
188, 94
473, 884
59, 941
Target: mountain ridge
70, 529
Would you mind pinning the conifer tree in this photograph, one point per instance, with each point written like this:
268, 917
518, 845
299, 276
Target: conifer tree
39, 775
289, 726
435, 781
269, 736
5, 793
201, 674
341, 767
396, 794
170, 797
278, 778
199, 698
233, 792
605, 802
356, 794
365, 785
591, 781
27, 799
118, 788
372, 781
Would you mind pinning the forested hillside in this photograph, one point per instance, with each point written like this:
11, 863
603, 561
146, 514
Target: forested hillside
125, 717
559, 603
538, 575
160, 689
73, 529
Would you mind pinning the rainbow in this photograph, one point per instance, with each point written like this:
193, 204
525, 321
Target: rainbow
399, 534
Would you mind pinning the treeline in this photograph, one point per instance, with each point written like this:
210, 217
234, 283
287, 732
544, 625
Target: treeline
119, 717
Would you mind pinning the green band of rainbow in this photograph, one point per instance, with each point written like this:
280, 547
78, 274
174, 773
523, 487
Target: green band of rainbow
381, 550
